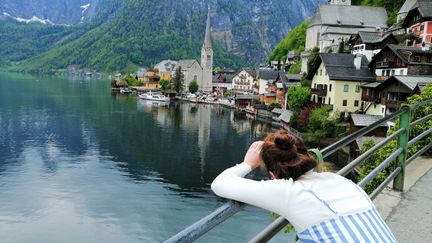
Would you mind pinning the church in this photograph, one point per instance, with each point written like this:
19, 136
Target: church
200, 72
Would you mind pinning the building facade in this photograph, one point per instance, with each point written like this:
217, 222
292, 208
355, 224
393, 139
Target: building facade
337, 79
243, 81
337, 22
418, 24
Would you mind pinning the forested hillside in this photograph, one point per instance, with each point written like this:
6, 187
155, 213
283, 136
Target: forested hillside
142, 33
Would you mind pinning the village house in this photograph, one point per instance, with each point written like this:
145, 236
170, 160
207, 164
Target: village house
359, 121
337, 79
401, 60
151, 79
406, 7
265, 77
166, 66
276, 90
370, 43
337, 21
244, 80
141, 73
418, 23
394, 91
223, 81
291, 59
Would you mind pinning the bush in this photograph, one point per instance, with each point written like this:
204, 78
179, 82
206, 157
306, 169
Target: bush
132, 81
193, 86
320, 122
298, 97
378, 157
227, 94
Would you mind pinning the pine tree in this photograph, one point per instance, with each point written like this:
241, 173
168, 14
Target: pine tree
178, 80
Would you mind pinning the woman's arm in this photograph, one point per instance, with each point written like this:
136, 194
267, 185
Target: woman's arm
269, 194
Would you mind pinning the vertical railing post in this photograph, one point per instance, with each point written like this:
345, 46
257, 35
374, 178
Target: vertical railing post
404, 122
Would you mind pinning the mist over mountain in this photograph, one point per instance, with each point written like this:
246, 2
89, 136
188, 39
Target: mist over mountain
117, 34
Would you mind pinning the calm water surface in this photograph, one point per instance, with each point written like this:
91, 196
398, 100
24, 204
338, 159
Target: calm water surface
79, 164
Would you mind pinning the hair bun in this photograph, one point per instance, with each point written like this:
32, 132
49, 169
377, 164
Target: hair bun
285, 141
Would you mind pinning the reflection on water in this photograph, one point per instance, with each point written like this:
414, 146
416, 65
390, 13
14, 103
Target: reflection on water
80, 165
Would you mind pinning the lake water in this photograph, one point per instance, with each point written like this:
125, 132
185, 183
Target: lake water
79, 164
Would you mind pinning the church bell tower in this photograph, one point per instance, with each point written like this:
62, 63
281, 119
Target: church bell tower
207, 59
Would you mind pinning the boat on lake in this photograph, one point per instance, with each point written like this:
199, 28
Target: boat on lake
155, 97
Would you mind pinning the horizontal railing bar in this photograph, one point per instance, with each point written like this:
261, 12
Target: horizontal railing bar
380, 167
348, 139
270, 231
415, 123
422, 135
381, 187
423, 103
207, 223
420, 152
351, 165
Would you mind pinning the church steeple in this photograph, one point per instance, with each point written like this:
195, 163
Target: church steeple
207, 58
207, 38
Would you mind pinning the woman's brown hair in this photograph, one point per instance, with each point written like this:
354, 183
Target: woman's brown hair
286, 156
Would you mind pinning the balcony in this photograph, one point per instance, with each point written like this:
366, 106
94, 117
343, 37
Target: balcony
385, 64
319, 91
394, 104
370, 98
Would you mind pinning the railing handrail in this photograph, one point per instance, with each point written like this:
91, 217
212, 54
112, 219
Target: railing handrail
228, 209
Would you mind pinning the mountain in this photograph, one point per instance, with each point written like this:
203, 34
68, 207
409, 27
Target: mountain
134, 33
55, 12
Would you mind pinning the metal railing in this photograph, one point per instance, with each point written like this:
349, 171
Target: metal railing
400, 155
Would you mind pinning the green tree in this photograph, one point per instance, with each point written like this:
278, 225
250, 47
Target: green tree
217, 69
132, 81
164, 84
320, 122
298, 97
178, 80
193, 86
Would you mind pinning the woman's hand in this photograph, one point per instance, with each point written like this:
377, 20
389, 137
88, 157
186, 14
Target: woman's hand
253, 155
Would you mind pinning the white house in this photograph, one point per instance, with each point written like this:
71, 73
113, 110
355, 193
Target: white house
244, 80
337, 79
166, 66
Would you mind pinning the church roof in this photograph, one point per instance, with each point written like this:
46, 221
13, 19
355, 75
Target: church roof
353, 16
186, 63
207, 37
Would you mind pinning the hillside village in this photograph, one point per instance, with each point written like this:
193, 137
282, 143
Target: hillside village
354, 63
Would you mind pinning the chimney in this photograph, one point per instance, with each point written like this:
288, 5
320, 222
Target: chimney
358, 61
